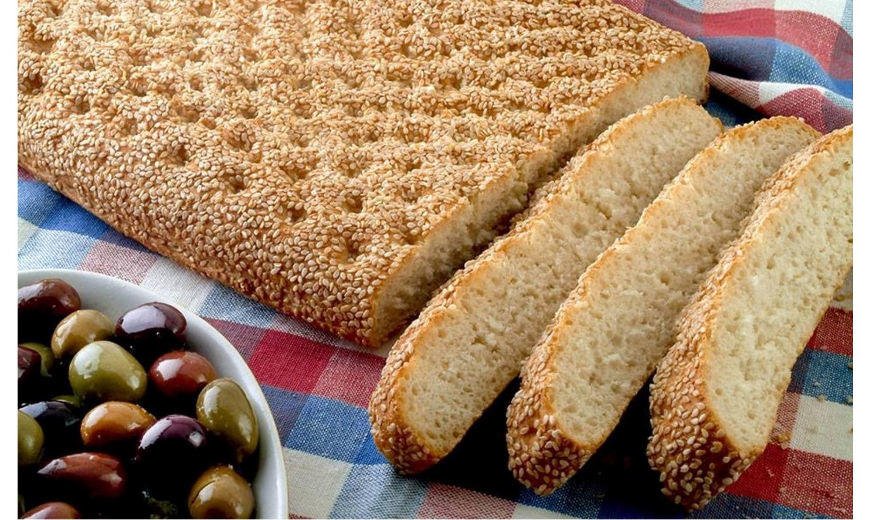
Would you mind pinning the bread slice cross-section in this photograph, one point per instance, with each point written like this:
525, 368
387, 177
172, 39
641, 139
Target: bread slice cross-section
716, 393
473, 337
607, 338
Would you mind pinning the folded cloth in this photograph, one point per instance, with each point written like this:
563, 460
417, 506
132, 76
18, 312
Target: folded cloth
789, 57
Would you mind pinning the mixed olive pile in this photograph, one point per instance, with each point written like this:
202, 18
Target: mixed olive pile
99, 435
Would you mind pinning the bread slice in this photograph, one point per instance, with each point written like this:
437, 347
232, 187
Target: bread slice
619, 321
336, 160
472, 338
716, 393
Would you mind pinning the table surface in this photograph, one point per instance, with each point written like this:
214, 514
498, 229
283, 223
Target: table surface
318, 386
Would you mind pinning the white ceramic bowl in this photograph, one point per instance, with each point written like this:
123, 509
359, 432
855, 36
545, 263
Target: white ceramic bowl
113, 297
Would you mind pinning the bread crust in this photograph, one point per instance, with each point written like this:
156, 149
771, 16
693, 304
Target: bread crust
543, 454
690, 447
320, 238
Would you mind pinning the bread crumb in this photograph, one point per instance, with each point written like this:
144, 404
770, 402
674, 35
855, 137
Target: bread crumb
849, 399
821, 397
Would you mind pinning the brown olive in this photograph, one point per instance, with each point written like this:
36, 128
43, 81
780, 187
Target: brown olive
30, 439
221, 493
224, 410
97, 475
181, 373
79, 329
42, 305
53, 510
114, 422
104, 371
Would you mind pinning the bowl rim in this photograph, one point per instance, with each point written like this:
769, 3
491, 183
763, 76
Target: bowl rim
266, 420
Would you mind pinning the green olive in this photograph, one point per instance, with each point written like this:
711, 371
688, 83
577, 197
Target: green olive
70, 399
224, 410
221, 493
106, 372
30, 440
79, 329
47, 357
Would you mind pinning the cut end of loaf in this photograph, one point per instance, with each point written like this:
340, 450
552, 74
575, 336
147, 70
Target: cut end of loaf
709, 423
431, 261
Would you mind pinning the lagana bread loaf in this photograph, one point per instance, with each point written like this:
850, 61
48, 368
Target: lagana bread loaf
472, 338
336, 160
607, 338
715, 395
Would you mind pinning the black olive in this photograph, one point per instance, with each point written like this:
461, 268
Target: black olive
172, 453
151, 330
60, 423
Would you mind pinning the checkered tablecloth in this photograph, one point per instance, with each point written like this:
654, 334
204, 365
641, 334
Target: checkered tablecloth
787, 57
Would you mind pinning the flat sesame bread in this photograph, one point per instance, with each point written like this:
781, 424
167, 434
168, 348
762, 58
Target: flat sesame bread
472, 338
336, 160
716, 393
607, 338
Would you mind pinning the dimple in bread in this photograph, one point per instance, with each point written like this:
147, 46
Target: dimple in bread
472, 338
607, 338
715, 395
336, 160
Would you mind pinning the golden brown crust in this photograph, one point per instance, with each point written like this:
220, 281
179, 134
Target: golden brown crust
303, 152
392, 431
689, 445
543, 454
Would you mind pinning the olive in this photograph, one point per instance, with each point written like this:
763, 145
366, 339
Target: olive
69, 399
152, 328
30, 440
79, 329
53, 510
181, 373
175, 447
104, 371
42, 305
29, 363
225, 411
114, 422
221, 493
97, 475
59, 422
46, 357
